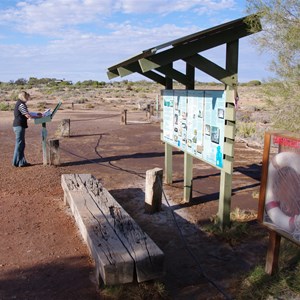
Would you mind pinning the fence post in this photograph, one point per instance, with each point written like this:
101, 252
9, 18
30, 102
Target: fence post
151, 110
124, 117
54, 155
63, 129
153, 190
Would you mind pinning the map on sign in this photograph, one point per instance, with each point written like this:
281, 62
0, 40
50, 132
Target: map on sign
194, 122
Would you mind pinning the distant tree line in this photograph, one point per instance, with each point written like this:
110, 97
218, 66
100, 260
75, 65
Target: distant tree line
35, 82
53, 82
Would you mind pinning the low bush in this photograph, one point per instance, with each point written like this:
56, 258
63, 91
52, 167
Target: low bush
5, 106
246, 129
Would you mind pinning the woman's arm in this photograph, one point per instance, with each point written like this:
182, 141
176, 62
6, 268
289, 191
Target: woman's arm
24, 111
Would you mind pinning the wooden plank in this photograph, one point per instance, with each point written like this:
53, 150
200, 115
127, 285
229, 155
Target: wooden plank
229, 147
264, 177
148, 258
229, 131
112, 259
230, 114
228, 164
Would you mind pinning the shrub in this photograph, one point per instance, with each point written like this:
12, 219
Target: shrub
4, 106
254, 83
41, 105
80, 101
246, 129
89, 106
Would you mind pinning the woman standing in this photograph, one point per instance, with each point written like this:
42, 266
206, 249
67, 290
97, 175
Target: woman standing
21, 114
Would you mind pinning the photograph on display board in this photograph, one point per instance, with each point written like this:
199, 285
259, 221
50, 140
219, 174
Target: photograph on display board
215, 134
221, 113
207, 129
282, 185
199, 148
176, 119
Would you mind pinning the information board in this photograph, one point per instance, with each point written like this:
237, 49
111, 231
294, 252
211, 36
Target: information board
193, 121
279, 203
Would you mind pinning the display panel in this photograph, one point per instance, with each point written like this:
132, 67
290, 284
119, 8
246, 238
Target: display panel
193, 121
280, 195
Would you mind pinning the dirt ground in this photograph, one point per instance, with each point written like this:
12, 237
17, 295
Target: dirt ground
42, 255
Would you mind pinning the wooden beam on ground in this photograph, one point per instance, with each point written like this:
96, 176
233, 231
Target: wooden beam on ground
117, 225
112, 259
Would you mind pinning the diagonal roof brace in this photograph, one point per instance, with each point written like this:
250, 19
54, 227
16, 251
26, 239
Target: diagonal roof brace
210, 68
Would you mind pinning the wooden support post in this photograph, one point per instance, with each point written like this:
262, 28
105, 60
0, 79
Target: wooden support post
151, 110
54, 155
65, 128
153, 190
273, 253
225, 199
264, 177
44, 143
168, 164
124, 117
188, 177
148, 112
226, 172
157, 105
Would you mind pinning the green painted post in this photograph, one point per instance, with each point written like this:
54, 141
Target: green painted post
188, 177
226, 173
44, 143
168, 164
225, 199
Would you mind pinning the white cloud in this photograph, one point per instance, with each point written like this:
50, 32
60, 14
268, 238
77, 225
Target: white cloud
49, 16
76, 53
52, 17
166, 7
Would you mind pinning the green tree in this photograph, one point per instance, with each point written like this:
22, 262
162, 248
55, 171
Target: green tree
281, 37
21, 81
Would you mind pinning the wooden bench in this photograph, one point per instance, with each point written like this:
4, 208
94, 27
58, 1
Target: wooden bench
121, 250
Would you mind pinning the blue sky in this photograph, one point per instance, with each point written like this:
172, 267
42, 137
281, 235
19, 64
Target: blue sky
79, 39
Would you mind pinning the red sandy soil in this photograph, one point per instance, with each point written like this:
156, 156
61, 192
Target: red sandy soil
42, 255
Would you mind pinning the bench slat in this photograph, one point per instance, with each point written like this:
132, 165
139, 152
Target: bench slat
148, 258
112, 259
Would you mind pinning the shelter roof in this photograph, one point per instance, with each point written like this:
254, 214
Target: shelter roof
158, 60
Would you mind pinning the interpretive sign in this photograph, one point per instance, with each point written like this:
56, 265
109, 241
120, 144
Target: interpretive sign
193, 121
279, 202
